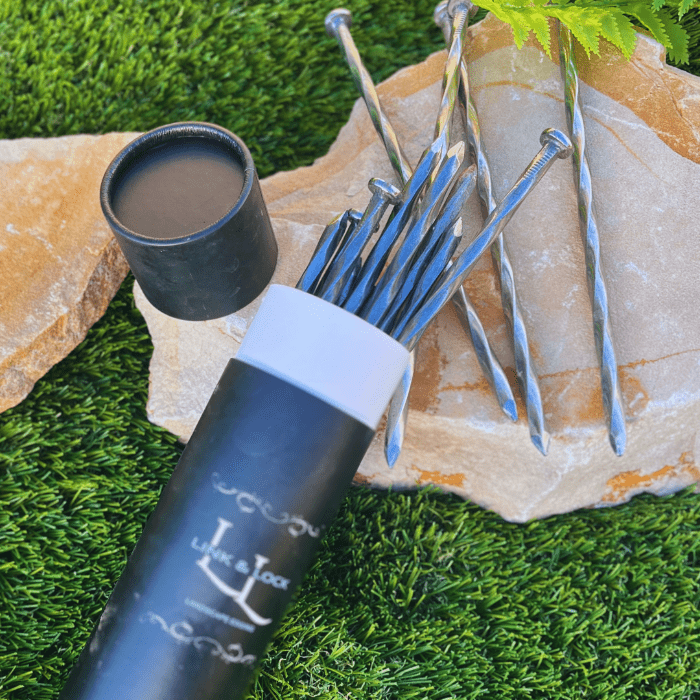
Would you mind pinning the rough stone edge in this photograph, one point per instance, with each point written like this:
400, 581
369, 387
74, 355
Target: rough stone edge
22, 370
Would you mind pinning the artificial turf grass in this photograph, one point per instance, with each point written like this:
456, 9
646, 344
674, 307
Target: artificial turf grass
595, 603
91, 66
414, 595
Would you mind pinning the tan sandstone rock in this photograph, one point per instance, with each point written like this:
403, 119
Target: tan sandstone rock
59, 264
643, 122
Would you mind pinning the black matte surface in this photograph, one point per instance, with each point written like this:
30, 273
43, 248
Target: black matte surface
210, 273
284, 459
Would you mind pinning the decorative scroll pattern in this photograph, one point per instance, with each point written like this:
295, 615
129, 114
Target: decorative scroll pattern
184, 633
249, 502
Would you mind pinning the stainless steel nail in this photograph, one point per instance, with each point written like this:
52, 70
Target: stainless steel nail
609, 380
451, 211
383, 195
415, 272
349, 282
382, 248
460, 192
397, 416
390, 281
325, 248
324, 284
457, 23
435, 270
501, 385
525, 371
555, 145
338, 24
451, 76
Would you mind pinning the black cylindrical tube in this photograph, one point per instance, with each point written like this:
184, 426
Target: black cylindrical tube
239, 522
236, 529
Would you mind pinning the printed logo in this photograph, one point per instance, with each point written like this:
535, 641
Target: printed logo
212, 550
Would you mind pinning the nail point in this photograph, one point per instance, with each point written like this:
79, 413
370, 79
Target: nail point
618, 441
510, 408
391, 452
541, 442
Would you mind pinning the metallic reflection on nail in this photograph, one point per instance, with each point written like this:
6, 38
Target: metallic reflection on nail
524, 362
554, 145
609, 380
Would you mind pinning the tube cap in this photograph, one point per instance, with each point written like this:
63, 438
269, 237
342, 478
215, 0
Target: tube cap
185, 205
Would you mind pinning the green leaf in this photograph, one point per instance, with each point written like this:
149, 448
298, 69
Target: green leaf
678, 46
619, 31
584, 23
518, 21
540, 26
514, 16
650, 20
684, 6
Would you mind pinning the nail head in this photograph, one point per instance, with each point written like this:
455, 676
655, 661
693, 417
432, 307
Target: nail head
379, 186
336, 18
454, 5
559, 139
355, 215
440, 14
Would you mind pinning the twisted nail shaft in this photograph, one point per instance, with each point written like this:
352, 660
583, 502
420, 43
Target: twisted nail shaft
554, 145
609, 380
338, 26
500, 385
524, 363
451, 76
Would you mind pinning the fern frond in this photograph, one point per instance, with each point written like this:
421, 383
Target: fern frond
514, 16
650, 19
540, 26
591, 20
678, 45
584, 23
684, 6
616, 27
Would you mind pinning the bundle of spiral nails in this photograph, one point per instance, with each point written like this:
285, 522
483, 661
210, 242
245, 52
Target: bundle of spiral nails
408, 272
